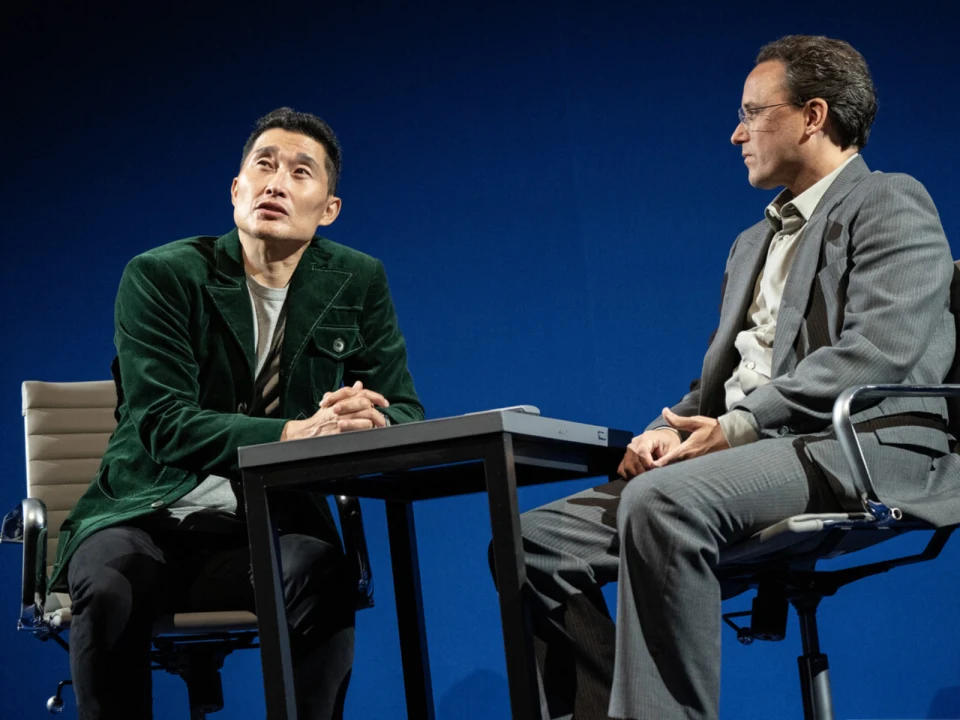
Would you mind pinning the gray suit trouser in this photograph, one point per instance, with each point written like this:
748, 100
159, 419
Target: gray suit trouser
662, 534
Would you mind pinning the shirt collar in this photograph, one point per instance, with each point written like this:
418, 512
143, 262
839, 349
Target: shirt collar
791, 213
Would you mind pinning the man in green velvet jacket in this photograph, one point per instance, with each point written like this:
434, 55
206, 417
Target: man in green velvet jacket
267, 333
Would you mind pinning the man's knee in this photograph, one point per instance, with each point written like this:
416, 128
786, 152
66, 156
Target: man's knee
115, 603
317, 577
532, 523
305, 557
111, 574
320, 590
539, 530
653, 503
104, 589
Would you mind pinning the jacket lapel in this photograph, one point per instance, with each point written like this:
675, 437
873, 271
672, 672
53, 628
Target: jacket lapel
796, 291
314, 288
229, 294
738, 293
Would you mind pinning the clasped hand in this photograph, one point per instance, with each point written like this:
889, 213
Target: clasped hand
662, 446
349, 408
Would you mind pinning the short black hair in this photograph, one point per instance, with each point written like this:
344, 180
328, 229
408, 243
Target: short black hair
818, 66
306, 124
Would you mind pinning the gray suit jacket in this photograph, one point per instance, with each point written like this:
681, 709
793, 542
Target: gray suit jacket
866, 301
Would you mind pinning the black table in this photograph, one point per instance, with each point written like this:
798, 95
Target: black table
494, 451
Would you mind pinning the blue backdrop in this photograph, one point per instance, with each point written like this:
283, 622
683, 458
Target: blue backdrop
552, 190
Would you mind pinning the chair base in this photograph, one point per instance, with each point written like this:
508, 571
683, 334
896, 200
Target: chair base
769, 622
55, 702
794, 580
198, 660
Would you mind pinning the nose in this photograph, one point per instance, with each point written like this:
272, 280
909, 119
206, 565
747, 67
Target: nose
740, 135
277, 186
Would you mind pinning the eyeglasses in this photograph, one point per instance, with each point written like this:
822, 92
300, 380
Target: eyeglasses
748, 115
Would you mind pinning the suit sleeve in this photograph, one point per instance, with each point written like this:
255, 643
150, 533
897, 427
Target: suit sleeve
382, 364
898, 289
689, 405
159, 375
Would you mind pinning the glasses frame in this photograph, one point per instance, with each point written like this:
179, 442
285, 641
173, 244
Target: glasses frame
746, 119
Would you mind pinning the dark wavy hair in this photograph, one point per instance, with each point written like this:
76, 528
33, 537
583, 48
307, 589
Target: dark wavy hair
820, 67
305, 124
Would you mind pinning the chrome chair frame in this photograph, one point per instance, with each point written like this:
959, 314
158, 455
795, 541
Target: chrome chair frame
780, 561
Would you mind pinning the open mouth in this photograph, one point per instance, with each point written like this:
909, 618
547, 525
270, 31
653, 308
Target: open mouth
272, 208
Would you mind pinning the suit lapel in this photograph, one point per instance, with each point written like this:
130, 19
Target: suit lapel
738, 293
229, 294
796, 291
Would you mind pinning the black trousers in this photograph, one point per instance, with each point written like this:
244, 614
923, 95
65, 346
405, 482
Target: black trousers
122, 578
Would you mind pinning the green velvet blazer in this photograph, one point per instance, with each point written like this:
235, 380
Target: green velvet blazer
184, 372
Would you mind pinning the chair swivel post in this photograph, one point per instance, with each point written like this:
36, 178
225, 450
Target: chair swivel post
814, 669
204, 690
199, 667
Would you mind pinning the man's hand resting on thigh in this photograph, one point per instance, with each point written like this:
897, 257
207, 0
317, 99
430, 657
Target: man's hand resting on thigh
656, 448
349, 408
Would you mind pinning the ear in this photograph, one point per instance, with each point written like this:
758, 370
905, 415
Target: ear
233, 191
331, 211
815, 114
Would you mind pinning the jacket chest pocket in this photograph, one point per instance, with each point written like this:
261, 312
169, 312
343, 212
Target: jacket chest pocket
329, 350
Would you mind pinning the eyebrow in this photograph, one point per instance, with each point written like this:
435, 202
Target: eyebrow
267, 150
308, 160
301, 157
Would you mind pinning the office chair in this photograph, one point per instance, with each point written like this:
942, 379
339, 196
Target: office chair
67, 428
780, 561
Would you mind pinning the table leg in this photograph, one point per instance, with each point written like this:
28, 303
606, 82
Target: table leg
511, 572
271, 610
409, 598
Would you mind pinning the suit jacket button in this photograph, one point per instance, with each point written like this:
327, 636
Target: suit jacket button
242, 408
156, 504
785, 430
338, 345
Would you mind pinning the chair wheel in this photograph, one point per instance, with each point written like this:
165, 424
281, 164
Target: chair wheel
55, 703
745, 636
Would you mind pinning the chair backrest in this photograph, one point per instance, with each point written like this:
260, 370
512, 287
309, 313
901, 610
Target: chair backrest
67, 429
953, 377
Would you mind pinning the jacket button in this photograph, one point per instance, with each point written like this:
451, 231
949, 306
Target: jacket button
785, 430
156, 504
242, 408
338, 345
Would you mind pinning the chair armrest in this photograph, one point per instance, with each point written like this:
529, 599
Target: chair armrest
27, 525
850, 444
355, 546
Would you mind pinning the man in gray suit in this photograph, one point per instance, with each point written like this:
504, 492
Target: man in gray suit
844, 281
